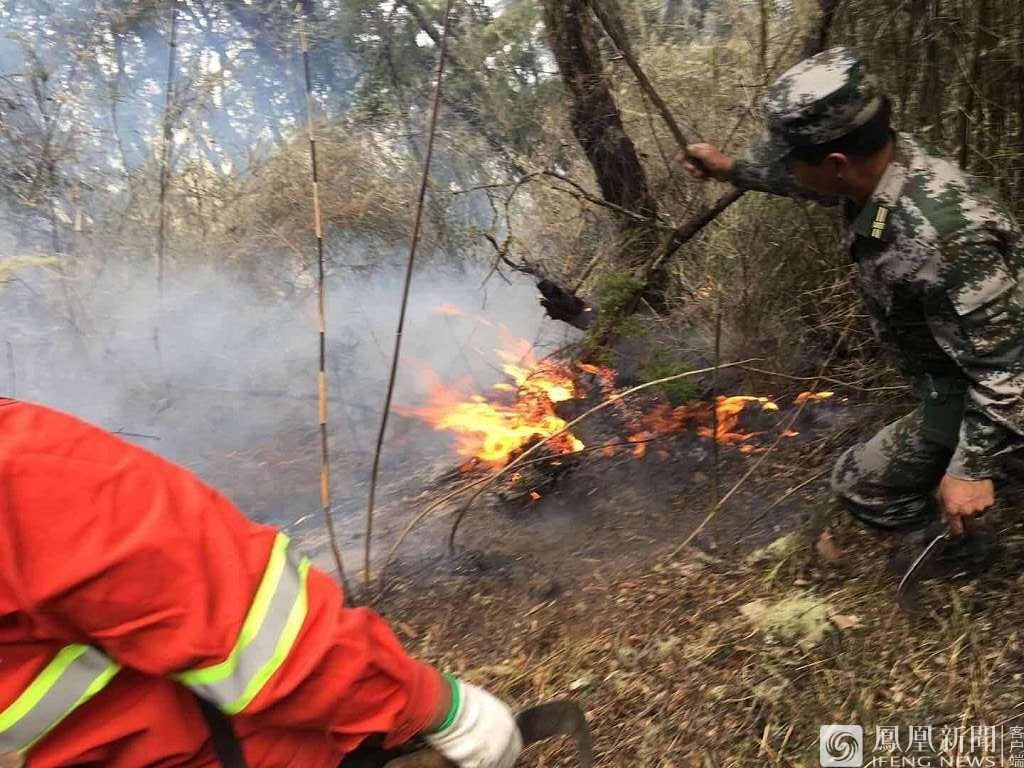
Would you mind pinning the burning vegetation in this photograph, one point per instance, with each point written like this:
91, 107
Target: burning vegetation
492, 430
531, 405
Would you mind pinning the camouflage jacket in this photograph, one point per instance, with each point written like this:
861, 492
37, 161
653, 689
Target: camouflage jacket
940, 265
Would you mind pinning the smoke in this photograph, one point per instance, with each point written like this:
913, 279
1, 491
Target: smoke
231, 391
228, 384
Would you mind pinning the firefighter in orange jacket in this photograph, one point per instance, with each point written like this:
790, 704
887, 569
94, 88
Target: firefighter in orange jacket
127, 586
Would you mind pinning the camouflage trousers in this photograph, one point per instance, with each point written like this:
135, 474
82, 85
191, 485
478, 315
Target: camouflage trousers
889, 481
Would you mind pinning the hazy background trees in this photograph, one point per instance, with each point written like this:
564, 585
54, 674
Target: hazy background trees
548, 151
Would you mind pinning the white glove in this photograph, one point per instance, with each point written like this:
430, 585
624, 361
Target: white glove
483, 733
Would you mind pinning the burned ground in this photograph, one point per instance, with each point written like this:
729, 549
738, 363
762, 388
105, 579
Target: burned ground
730, 652
717, 655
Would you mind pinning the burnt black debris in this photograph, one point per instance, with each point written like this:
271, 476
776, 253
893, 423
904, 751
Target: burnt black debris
564, 305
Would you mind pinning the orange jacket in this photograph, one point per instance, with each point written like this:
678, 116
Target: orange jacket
109, 553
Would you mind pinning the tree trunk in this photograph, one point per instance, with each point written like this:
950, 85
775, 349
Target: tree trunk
673, 21
931, 89
595, 117
1019, 176
970, 84
597, 123
700, 12
762, 42
818, 41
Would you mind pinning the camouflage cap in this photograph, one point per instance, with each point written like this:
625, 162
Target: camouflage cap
819, 100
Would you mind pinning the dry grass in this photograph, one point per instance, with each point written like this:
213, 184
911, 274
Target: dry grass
366, 186
673, 671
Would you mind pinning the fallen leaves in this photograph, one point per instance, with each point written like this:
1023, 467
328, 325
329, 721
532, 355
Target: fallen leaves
846, 621
827, 549
581, 683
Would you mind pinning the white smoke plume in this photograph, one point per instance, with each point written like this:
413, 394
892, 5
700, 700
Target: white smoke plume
232, 392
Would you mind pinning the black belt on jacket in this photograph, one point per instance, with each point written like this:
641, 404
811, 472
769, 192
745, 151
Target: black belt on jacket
225, 743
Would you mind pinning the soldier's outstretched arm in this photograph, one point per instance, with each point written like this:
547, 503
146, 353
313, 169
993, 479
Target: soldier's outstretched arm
753, 172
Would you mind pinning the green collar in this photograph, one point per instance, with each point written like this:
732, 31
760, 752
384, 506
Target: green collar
874, 220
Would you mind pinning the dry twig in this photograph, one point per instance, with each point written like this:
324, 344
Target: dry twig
165, 172
424, 179
325, 470
711, 515
820, 378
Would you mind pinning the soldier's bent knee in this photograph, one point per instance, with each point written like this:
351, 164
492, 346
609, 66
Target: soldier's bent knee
844, 474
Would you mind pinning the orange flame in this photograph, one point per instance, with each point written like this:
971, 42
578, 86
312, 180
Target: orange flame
494, 430
520, 411
729, 410
663, 419
803, 397
450, 310
540, 380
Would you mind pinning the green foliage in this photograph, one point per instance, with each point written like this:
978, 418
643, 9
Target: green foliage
801, 616
596, 354
615, 292
677, 392
611, 298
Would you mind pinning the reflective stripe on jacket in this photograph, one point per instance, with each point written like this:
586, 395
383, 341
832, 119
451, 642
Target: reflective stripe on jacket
124, 579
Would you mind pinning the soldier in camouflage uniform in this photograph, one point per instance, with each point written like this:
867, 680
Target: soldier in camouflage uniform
939, 264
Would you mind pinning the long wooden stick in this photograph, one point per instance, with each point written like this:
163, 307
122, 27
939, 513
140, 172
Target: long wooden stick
165, 171
839, 382
12, 372
687, 231
781, 498
375, 471
615, 32
325, 467
690, 229
716, 451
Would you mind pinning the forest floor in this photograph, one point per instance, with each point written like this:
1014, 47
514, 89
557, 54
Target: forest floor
778, 618
729, 652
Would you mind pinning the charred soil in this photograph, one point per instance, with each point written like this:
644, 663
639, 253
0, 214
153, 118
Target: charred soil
731, 652
778, 618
